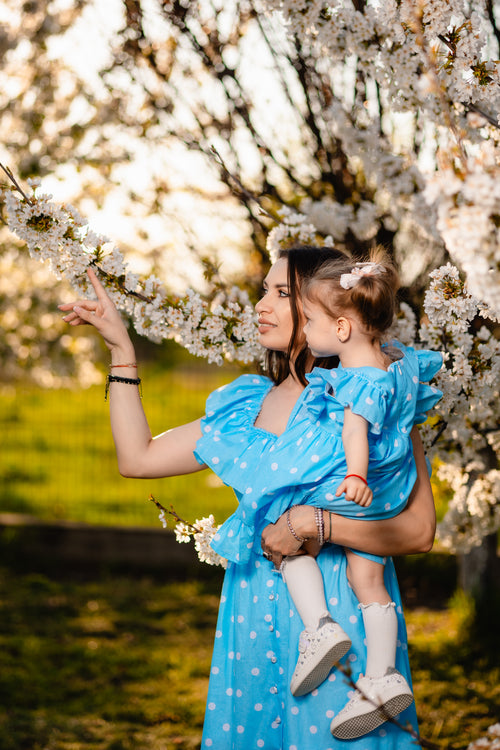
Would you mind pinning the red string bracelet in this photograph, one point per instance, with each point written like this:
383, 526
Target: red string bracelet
357, 477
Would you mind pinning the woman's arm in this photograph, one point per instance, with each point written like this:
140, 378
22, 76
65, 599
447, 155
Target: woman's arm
409, 532
138, 453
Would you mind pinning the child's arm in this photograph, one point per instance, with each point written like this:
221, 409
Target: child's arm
355, 441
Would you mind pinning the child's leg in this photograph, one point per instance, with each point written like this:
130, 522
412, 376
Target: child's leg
379, 616
382, 692
305, 585
323, 642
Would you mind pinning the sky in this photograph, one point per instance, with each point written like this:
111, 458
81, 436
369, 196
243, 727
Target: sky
188, 218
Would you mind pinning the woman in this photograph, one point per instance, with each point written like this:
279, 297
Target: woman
249, 702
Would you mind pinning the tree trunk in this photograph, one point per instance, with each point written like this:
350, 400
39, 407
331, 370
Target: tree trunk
479, 570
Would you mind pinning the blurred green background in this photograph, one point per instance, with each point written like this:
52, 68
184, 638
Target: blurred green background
58, 458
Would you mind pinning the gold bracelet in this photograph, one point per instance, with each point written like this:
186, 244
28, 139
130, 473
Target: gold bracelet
291, 529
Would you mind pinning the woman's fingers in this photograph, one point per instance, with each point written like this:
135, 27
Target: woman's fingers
73, 319
277, 540
86, 315
77, 318
98, 287
101, 313
79, 312
86, 304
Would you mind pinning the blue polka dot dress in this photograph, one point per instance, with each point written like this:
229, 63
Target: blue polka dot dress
306, 464
249, 701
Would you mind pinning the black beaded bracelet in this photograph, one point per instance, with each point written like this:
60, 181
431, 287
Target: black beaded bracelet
119, 379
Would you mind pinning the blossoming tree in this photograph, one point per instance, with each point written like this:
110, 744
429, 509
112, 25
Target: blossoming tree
396, 140
435, 61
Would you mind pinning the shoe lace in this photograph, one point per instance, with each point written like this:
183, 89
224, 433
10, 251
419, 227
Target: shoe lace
304, 641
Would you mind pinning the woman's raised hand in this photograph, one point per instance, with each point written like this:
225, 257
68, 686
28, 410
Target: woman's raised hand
100, 313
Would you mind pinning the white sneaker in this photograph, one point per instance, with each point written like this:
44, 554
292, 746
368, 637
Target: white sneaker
377, 699
318, 651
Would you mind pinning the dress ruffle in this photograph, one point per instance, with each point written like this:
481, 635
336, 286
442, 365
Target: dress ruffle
228, 429
371, 393
234, 540
331, 391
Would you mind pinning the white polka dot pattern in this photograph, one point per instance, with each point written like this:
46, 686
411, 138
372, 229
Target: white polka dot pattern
249, 701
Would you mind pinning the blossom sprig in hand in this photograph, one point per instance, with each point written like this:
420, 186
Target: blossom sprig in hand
201, 531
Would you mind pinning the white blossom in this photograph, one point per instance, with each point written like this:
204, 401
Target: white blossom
291, 230
57, 234
183, 532
205, 531
490, 742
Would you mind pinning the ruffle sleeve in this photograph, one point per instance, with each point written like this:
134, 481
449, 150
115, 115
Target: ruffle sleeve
331, 391
226, 427
235, 540
429, 364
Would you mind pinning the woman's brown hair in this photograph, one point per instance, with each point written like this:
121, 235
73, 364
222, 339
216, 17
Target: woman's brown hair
303, 262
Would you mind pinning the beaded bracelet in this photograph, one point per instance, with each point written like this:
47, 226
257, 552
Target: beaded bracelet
291, 529
320, 524
119, 379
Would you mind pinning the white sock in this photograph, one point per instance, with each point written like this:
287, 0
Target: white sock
304, 581
381, 628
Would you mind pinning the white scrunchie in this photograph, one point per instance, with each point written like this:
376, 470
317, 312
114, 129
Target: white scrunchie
348, 280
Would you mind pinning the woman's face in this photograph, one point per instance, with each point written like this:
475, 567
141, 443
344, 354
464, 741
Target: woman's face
274, 309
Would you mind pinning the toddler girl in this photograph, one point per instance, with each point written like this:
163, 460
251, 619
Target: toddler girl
371, 402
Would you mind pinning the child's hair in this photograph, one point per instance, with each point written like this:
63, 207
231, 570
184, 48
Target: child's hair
366, 288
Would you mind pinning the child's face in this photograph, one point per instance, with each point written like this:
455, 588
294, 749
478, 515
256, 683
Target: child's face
320, 330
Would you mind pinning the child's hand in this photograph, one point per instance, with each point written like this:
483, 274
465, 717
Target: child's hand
355, 489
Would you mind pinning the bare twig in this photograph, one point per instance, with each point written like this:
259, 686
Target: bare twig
489, 118
121, 286
11, 177
173, 513
214, 154
427, 744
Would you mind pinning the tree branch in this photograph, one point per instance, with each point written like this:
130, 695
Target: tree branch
11, 177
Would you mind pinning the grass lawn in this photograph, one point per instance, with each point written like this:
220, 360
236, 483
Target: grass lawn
121, 662
58, 457
113, 662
